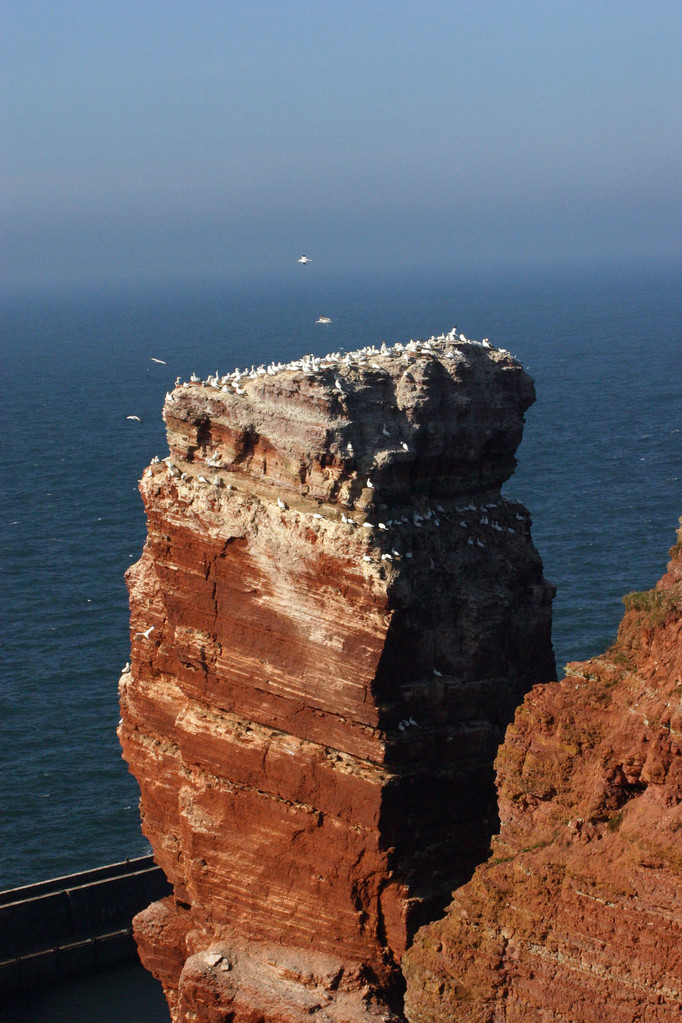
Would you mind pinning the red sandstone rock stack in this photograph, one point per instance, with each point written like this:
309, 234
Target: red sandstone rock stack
577, 915
344, 614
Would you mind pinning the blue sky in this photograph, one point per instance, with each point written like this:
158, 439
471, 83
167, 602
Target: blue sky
173, 141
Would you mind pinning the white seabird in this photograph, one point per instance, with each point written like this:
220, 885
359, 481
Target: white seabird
161, 361
146, 634
304, 260
136, 418
323, 319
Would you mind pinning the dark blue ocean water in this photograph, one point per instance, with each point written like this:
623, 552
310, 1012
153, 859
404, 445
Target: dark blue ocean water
600, 469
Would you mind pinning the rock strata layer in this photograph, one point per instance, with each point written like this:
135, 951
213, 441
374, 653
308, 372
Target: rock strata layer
333, 620
577, 915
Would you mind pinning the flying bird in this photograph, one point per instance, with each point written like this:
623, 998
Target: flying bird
136, 418
162, 361
304, 260
146, 634
323, 319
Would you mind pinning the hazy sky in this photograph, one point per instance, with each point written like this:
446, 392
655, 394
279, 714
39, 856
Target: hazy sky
179, 141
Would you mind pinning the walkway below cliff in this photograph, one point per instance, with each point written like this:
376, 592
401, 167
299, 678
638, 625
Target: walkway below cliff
70, 925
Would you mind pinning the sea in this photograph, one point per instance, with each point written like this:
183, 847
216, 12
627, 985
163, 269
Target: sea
599, 468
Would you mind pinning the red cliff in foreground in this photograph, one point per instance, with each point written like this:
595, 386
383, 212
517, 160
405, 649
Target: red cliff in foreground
577, 915
333, 620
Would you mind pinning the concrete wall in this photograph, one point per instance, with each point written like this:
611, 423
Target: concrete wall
73, 924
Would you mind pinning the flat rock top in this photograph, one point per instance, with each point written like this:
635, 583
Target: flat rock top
348, 375
448, 398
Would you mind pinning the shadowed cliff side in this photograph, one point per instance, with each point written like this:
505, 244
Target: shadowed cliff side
333, 620
577, 915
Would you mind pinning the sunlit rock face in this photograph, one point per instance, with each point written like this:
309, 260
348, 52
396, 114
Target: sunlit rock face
344, 614
577, 915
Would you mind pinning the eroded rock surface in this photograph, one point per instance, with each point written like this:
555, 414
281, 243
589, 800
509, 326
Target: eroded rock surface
577, 916
344, 614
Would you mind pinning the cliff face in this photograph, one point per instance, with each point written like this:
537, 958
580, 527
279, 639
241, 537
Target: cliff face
577, 916
333, 619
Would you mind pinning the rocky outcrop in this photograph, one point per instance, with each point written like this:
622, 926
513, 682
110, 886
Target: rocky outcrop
577, 915
333, 620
